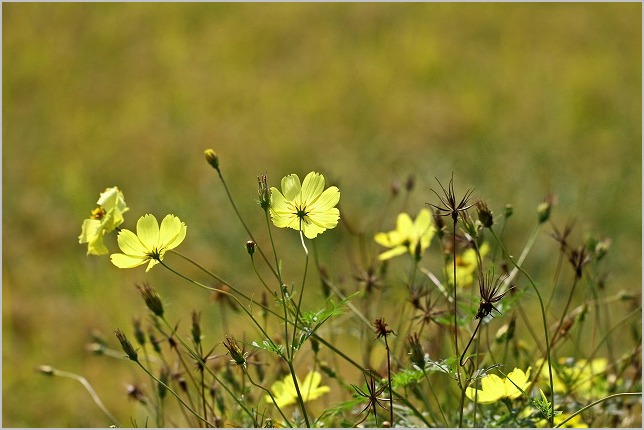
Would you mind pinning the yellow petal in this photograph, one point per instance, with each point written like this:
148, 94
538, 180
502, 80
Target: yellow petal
393, 252
172, 232
404, 225
147, 229
130, 244
312, 187
291, 186
325, 201
126, 261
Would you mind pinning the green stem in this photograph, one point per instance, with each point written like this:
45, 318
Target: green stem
203, 364
270, 395
596, 403
196, 414
89, 389
543, 316
232, 202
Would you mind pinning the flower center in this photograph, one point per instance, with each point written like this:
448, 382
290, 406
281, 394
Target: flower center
155, 254
301, 212
98, 213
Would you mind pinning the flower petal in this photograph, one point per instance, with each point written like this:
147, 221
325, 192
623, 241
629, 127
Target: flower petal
404, 225
393, 252
312, 187
130, 244
327, 200
172, 232
311, 230
147, 229
127, 261
281, 211
291, 186
326, 219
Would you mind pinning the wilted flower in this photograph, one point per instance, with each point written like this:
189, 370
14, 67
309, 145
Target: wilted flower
495, 388
306, 207
150, 242
104, 219
285, 393
409, 236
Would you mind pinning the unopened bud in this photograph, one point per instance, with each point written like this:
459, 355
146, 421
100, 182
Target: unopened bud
212, 158
151, 299
250, 247
127, 346
46, 370
485, 214
544, 209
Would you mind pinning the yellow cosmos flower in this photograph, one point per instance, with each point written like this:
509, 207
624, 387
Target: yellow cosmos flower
578, 375
408, 235
306, 207
466, 265
495, 388
576, 422
104, 219
150, 242
285, 393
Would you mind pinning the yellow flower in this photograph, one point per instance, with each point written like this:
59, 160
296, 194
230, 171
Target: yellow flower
575, 422
285, 393
466, 265
495, 388
150, 243
408, 235
104, 219
307, 207
577, 375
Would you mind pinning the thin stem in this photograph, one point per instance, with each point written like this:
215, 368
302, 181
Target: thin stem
543, 316
196, 414
250, 379
232, 202
203, 363
596, 403
89, 389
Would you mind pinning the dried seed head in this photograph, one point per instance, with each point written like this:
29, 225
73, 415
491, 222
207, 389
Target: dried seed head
138, 331
151, 298
416, 353
264, 192
196, 327
212, 158
162, 388
126, 345
381, 328
410, 183
236, 353
484, 213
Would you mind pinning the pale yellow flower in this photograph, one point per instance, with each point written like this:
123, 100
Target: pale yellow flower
408, 235
305, 207
579, 376
104, 219
466, 265
575, 422
494, 388
285, 393
150, 242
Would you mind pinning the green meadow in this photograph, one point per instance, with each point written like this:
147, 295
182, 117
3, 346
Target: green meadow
517, 101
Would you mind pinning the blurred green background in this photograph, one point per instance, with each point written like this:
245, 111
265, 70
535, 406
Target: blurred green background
518, 100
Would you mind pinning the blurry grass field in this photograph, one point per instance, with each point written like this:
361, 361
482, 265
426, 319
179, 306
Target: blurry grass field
518, 101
